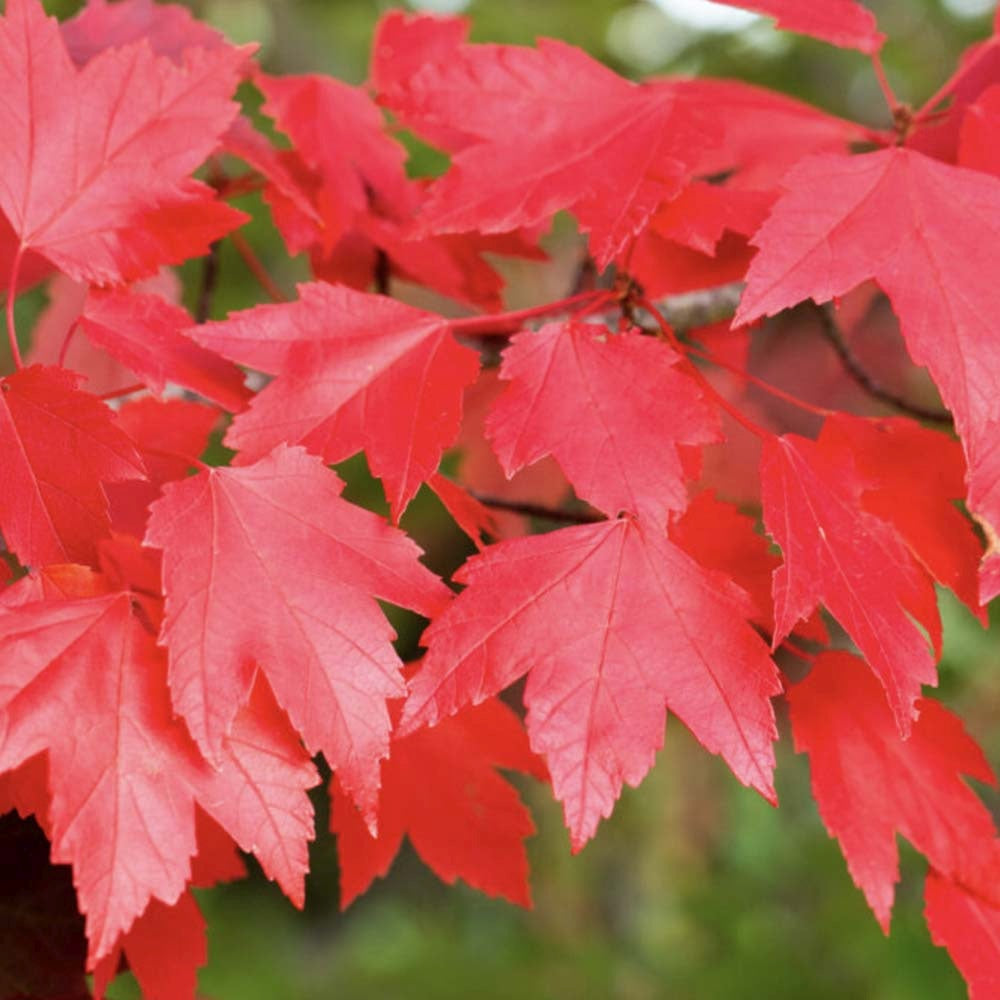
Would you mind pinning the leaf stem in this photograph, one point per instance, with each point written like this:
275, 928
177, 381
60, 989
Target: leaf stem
15, 271
125, 391
668, 334
504, 324
927, 109
895, 106
196, 463
73, 327
700, 352
256, 268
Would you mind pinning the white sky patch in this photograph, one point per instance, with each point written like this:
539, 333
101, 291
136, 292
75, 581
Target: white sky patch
703, 15
969, 8
440, 6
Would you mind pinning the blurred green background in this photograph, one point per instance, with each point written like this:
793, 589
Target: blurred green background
695, 887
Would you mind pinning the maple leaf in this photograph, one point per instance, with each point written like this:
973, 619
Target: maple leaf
60, 444
588, 141
312, 629
243, 140
969, 928
613, 625
339, 132
170, 435
913, 224
165, 947
353, 173
612, 409
869, 783
839, 22
122, 758
117, 798
762, 133
830, 544
402, 45
96, 161
702, 213
33, 268
979, 124
938, 126
170, 29
885, 454
440, 789
144, 332
720, 538
473, 517
355, 371
478, 469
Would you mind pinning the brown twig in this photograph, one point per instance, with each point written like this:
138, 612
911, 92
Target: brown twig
854, 368
538, 510
209, 282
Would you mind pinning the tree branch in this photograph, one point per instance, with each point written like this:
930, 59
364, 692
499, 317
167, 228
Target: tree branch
831, 331
538, 510
209, 281
702, 308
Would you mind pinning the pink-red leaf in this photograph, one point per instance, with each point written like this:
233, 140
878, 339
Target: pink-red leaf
165, 948
887, 455
913, 224
121, 812
91, 156
170, 435
588, 141
310, 626
440, 788
835, 552
257, 794
169, 29
969, 928
144, 333
123, 772
839, 22
356, 372
473, 517
870, 784
59, 445
613, 410
614, 625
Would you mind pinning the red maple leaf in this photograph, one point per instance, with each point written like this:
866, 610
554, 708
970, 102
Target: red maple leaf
170, 435
870, 784
169, 29
356, 372
840, 22
829, 544
313, 629
144, 332
588, 140
60, 444
440, 789
613, 625
122, 757
913, 224
612, 409
165, 947
885, 453
96, 161
969, 928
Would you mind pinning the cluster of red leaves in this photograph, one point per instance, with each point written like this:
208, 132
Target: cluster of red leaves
176, 648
